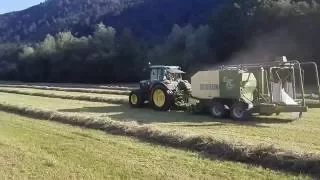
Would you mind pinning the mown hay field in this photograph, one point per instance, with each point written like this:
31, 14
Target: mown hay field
62, 94
70, 89
115, 86
35, 149
296, 136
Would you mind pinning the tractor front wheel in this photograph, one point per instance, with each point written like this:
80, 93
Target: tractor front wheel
160, 99
136, 99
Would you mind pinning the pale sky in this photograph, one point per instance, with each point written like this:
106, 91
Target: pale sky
16, 5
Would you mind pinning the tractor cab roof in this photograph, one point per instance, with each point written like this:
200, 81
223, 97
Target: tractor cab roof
175, 71
170, 69
166, 67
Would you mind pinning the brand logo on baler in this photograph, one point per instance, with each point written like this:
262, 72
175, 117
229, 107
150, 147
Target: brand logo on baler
229, 82
209, 87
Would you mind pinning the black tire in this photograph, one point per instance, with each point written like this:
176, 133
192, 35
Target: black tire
218, 110
239, 112
136, 99
185, 86
168, 98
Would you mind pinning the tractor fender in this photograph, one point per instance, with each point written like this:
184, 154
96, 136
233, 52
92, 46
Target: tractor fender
169, 91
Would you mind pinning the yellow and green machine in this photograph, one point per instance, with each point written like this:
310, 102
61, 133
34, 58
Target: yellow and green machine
235, 91
265, 89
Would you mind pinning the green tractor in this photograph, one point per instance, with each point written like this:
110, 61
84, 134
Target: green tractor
163, 90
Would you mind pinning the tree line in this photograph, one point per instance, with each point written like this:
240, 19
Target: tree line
237, 31
102, 57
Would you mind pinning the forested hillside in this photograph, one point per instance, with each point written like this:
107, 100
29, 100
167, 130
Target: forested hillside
53, 16
146, 18
100, 41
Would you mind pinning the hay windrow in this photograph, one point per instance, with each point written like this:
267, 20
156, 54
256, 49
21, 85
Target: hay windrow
114, 100
82, 90
123, 87
265, 156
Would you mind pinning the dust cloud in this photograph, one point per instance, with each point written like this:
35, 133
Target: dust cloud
265, 48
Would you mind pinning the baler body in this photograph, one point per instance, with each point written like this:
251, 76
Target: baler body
265, 89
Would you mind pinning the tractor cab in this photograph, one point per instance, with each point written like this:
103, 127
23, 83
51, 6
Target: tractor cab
163, 73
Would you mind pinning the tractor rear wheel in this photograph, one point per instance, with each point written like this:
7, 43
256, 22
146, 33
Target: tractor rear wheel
218, 110
136, 99
160, 99
239, 112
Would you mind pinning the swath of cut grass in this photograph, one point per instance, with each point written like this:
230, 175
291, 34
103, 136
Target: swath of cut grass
83, 90
122, 86
33, 149
117, 100
265, 156
65, 93
299, 136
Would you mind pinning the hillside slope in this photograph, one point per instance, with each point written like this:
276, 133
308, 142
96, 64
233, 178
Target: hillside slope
146, 18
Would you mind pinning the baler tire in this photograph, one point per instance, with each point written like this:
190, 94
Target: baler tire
136, 99
239, 112
168, 98
218, 110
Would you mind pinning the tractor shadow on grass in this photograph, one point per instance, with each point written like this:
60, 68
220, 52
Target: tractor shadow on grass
175, 118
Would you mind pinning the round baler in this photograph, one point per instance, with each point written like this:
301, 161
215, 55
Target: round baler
239, 91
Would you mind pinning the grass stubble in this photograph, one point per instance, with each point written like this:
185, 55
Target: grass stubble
265, 156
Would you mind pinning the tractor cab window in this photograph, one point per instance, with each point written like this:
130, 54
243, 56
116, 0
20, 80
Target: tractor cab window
173, 75
177, 76
157, 74
154, 74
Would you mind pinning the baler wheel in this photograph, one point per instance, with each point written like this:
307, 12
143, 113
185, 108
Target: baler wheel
218, 110
239, 112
